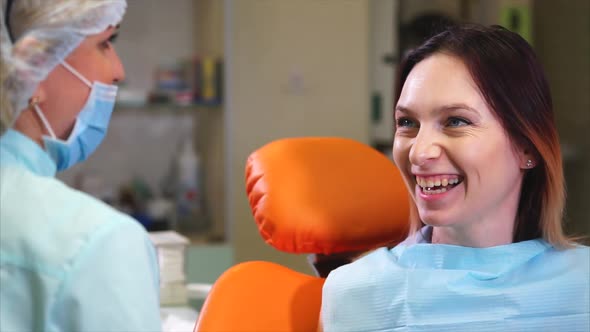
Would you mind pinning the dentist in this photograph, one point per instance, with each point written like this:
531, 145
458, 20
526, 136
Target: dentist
68, 262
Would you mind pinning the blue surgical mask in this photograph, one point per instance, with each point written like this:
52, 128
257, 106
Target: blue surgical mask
90, 127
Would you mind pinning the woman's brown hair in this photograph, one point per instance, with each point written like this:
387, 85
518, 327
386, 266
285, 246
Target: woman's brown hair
512, 81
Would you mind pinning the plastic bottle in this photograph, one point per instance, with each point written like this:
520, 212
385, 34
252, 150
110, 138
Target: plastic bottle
188, 186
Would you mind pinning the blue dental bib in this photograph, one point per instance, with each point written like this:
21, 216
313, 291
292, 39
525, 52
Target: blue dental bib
525, 286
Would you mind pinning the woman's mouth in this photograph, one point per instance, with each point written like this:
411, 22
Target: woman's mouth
432, 185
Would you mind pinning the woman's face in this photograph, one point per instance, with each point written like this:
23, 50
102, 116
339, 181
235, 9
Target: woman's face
459, 164
65, 94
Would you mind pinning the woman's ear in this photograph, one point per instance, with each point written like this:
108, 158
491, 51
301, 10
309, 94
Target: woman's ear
39, 95
527, 158
28, 121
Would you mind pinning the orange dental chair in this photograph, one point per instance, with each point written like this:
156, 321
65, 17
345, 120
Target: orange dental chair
323, 196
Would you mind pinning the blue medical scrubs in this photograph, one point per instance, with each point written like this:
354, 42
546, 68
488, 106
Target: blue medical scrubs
68, 262
417, 286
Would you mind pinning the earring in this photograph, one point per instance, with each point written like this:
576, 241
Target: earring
34, 101
529, 164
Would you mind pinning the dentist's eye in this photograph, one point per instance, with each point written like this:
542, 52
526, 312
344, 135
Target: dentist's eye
108, 43
113, 37
457, 122
406, 123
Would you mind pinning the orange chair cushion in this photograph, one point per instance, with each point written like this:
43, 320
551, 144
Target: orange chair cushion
326, 195
262, 297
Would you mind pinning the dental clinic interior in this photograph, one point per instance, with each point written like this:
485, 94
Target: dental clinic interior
210, 82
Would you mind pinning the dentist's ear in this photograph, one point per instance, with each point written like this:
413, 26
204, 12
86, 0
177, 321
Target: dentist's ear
27, 121
38, 96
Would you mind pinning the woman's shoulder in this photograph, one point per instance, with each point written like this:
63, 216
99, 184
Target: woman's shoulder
48, 202
574, 251
49, 223
575, 258
368, 267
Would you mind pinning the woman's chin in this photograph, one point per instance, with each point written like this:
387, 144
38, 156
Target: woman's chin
436, 219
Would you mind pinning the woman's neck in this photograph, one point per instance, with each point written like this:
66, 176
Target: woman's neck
476, 237
28, 124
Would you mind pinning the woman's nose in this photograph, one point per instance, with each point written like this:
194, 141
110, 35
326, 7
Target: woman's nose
118, 69
425, 148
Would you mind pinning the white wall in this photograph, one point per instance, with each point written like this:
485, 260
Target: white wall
383, 34
294, 68
154, 32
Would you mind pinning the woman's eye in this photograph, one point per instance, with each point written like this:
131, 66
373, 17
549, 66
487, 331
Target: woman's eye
457, 122
405, 122
113, 37
109, 42
106, 44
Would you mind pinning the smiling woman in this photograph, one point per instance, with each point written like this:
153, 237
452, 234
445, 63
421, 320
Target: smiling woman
497, 75
446, 132
476, 143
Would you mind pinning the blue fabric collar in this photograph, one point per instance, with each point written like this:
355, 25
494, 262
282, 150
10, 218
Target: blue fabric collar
490, 262
19, 150
417, 252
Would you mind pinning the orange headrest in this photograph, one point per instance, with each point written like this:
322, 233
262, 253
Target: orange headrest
262, 297
326, 195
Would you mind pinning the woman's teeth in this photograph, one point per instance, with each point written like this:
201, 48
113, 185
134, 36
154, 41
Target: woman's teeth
437, 184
